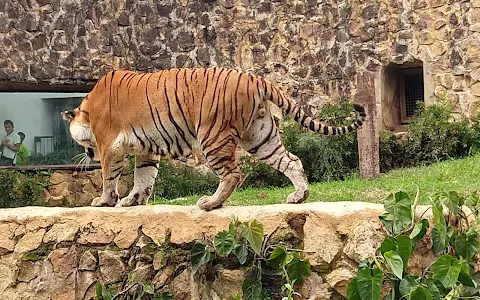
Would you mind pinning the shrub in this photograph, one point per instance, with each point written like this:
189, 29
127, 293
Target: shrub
19, 189
325, 158
392, 152
174, 181
434, 136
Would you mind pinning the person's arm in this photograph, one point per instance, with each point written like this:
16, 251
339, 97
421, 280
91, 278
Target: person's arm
15, 147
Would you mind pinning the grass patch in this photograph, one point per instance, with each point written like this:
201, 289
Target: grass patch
460, 175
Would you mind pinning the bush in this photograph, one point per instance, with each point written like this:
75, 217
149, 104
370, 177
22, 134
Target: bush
259, 174
392, 152
325, 158
174, 181
434, 136
19, 189
61, 156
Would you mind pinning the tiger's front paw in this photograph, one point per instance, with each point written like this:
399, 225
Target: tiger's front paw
208, 203
100, 201
139, 197
298, 196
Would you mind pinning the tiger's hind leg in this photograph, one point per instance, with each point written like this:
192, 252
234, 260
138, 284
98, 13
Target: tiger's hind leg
222, 160
263, 140
146, 169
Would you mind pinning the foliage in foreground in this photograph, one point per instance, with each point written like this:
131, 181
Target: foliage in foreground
141, 291
450, 276
246, 243
18, 189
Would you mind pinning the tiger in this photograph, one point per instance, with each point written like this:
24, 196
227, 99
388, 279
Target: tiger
175, 112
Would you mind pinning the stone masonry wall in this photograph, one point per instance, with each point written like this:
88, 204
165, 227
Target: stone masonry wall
61, 253
315, 49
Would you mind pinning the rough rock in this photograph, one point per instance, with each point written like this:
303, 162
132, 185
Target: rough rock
29, 241
322, 243
112, 267
88, 261
64, 261
363, 240
61, 233
181, 285
339, 278
7, 243
314, 288
228, 282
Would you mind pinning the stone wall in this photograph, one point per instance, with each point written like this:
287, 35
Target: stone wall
315, 49
60, 253
74, 188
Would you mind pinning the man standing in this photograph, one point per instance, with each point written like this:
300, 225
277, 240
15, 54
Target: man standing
22, 154
10, 145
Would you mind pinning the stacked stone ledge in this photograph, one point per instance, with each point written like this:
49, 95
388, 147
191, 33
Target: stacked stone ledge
60, 253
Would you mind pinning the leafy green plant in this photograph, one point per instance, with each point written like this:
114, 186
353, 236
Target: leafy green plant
174, 181
324, 158
143, 289
245, 242
24, 188
434, 135
450, 276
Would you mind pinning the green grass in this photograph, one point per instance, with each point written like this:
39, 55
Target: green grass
460, 175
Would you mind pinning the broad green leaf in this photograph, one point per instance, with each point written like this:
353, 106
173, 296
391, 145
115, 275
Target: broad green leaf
199, 255
149, 288
98, 290
398, 210
452, 201
395, 263
241, 252
438, 243
466, 244
352, 291
472, 201
476, 277
419, 231
369, 283
466, 279
439, 232
434, 291
388, 244
407, 285
252, 288
164, 296
404, 249
420, 293
447, 269
278, 258
298, 269
108, 294
254, 235
224, 242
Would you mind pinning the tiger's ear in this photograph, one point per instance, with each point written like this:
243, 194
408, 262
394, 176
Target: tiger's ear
68, 115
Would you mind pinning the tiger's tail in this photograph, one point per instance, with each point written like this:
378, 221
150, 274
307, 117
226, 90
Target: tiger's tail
289, 108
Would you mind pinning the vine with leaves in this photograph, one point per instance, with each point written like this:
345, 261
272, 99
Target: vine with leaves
246, 242
451, 276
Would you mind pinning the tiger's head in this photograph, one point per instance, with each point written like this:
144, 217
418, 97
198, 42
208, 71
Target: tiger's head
80, 129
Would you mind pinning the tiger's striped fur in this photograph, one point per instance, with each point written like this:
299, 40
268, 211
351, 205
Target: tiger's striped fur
176, 111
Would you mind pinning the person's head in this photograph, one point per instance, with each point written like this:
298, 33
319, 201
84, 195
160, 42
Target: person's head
22, 136
8, 126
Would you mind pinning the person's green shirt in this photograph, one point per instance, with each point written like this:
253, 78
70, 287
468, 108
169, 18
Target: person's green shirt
22, 155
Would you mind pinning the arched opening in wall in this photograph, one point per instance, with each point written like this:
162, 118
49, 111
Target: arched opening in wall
34, 110
403, 89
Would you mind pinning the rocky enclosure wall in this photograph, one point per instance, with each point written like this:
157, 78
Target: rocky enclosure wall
60, 253
313, 48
